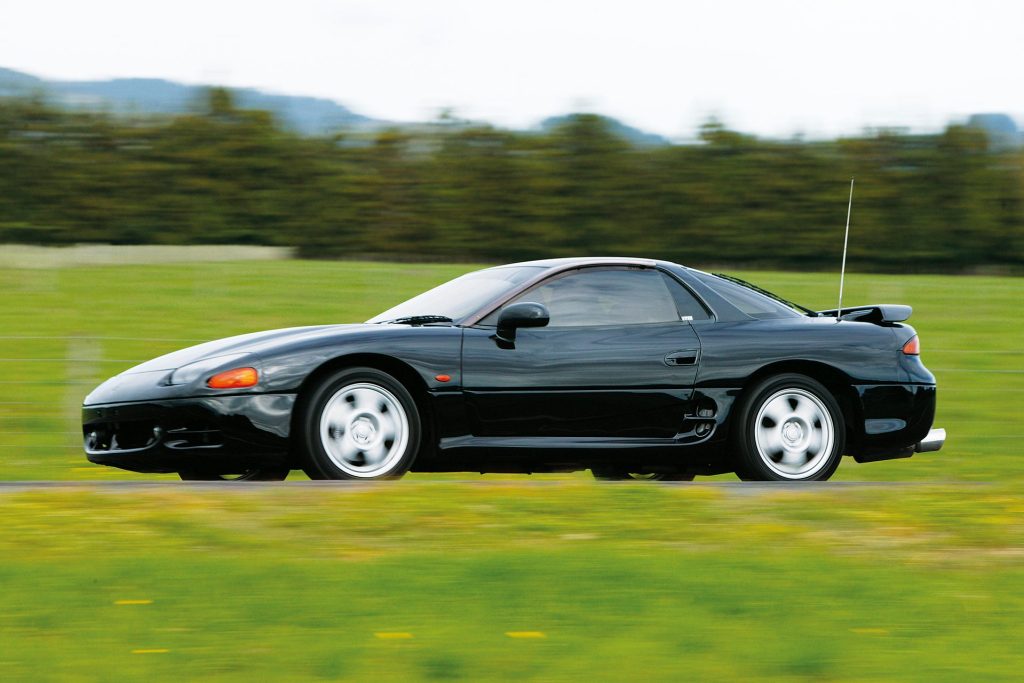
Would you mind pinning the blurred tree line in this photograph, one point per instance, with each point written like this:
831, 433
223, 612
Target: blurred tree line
453, 191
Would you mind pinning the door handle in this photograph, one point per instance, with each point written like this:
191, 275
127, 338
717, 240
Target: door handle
688, 357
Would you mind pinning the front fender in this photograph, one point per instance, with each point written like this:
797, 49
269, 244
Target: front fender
429, 351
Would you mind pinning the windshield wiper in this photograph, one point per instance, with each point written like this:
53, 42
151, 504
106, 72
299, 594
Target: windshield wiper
770, 295
418, 320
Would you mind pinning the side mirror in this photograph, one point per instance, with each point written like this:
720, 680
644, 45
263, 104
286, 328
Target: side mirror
523, 314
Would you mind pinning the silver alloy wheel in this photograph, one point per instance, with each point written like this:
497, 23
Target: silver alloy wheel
364, 430
794, 433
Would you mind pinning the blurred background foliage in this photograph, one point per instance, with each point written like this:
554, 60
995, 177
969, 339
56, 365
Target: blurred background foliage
458, 191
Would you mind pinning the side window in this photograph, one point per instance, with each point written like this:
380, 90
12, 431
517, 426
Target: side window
592, 297
687, 304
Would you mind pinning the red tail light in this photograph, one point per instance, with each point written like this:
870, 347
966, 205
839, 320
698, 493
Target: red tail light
912, 347
238, 378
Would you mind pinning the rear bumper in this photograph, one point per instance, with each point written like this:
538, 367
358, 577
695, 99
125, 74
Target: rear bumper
897, 422
218, 435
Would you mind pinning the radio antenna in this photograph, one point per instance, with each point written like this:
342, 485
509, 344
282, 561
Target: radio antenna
846, 242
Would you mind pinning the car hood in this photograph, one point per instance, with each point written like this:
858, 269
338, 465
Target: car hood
245, 343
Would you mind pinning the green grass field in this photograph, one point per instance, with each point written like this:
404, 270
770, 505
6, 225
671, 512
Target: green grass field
425, 578
407, 581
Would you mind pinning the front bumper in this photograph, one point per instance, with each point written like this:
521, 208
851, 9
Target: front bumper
210, 434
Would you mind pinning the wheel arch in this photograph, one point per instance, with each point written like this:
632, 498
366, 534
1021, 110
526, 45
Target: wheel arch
835, 380
399, 369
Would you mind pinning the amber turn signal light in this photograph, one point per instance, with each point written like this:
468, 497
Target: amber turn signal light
238, 378
912, 347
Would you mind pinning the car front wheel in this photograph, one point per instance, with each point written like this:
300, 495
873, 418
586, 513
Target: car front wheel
359, 423
789, 428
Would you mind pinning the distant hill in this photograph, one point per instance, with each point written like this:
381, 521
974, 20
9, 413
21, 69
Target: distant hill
628, 133
1002, 130
307, 115
14, 82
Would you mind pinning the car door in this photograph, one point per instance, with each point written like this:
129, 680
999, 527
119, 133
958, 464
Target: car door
617, 359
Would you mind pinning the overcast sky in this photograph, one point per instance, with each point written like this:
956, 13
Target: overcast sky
772, 67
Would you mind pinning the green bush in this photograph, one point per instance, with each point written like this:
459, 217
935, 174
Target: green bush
455, 192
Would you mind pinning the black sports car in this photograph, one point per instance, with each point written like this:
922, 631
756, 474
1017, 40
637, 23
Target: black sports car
628, 367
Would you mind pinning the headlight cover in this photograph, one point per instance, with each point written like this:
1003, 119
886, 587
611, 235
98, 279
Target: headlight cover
187, 374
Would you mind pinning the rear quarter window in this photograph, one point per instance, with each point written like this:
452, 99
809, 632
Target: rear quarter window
752, 303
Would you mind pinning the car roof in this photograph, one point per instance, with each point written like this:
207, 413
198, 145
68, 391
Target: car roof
589, 261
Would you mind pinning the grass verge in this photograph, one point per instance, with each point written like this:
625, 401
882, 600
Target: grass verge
426, 580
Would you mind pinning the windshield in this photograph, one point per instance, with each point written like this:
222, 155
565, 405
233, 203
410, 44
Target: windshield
463, 295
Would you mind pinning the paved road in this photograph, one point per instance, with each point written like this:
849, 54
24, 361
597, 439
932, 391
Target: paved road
752, 487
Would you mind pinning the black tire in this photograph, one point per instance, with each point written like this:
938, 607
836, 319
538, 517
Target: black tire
262, 474
801, 435
355, 408
611, 473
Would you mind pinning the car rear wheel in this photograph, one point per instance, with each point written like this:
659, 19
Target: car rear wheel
263, 474
359, 423
788, 428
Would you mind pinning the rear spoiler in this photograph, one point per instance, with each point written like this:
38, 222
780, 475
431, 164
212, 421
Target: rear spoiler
872, 313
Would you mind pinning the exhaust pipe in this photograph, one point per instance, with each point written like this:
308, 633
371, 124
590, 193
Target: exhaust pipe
932, 442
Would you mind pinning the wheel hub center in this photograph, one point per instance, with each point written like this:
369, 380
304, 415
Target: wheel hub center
792, 432
363, 431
